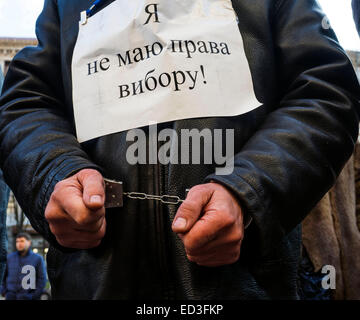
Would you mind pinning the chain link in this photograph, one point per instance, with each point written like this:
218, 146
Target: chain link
166, 199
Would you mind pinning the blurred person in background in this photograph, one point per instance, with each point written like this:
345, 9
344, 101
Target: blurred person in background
25, 274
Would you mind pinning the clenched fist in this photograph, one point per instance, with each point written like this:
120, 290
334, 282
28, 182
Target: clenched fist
75, 211
210, 224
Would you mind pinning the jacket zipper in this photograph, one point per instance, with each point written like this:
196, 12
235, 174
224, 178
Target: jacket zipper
168, 290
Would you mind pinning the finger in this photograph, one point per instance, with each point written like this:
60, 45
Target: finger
68, 197
75, 234
224, 255
191, 209
53, 212
81, 239
60, 221
227, 238
77, 244
219, 253
74, 206
93, 188
217, 263
208, 228
65, 225
92, 227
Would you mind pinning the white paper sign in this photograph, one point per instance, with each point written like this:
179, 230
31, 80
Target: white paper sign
142, 62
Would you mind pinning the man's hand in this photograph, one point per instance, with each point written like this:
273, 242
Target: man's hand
210, 224
76, 212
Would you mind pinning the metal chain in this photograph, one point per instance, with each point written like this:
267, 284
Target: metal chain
166, 199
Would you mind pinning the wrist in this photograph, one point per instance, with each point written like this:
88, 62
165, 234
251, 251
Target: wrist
247, 218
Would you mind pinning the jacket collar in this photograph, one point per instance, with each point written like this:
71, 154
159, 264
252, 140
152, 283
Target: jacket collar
29, 252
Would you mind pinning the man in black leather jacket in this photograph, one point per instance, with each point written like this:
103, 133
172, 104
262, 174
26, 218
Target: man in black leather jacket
288, 153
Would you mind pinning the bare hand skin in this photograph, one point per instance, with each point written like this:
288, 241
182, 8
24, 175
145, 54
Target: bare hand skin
210, 224
76, 212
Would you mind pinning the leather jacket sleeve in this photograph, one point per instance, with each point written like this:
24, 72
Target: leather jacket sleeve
293, 159
38, 144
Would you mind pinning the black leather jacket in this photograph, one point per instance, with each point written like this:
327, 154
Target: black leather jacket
288, 154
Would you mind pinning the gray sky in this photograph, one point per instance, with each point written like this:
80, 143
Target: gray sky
17, 19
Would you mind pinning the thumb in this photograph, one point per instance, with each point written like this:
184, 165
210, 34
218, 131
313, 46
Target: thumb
93, 188
191, 209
